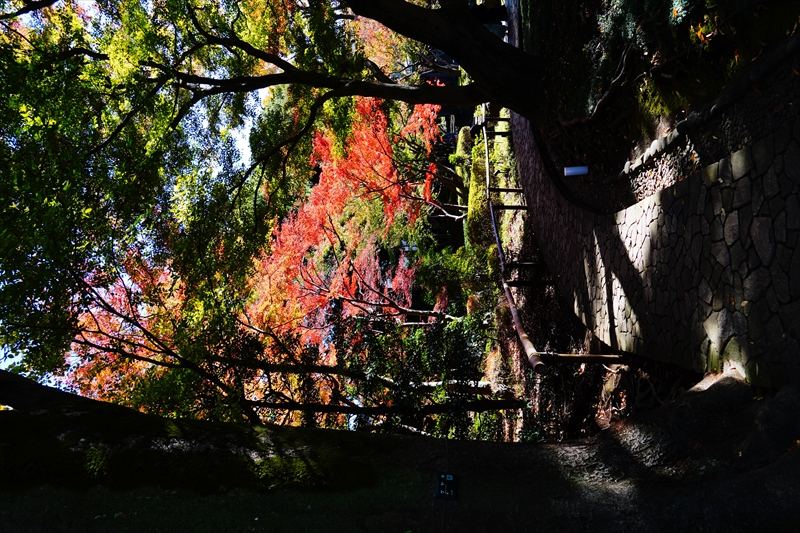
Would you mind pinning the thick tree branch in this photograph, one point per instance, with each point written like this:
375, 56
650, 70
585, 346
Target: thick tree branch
475, 406
455, 31
377, 72
30, 6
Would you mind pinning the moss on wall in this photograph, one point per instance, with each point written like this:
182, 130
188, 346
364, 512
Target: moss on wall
478, 227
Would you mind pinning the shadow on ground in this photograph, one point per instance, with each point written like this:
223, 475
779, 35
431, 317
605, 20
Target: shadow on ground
722, 457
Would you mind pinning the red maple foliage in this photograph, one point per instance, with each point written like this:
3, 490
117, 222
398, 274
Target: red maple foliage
324, 259
322, 253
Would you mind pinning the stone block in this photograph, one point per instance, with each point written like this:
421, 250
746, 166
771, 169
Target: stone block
702, 194
776, 206
790, 315
667, 197
779, 225
772, 299
757, 200
771, 186
716, 273
783, 257
786, 185
718, 301
729, 301
713, 359
696, 248
673, 137
706, 269
733, 350
763, 239
742, 194
792, 212
731, 228
711, 174
738, 256
792, 162
794, 274
682, 189
720, 252
695, 185
780, 283
773, 333
717, 230
745, 307
743, 270
727, 199
782, 138
753, 262
755, 285
724, 172
738, 290
764, 153
727, 276
745, 218
741, 164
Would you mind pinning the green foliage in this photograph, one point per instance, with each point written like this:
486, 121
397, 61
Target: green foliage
463, 154
171, 394
487, 426
493, 262
680, 53
107, 155
96, 462
289, 472
63, 208
654, 103
460, 273
447, 353
478, 224
131, 223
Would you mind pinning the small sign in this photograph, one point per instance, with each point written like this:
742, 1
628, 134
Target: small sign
576, 171
445, 486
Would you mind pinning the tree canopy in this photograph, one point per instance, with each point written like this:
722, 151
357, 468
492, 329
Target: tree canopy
148, 258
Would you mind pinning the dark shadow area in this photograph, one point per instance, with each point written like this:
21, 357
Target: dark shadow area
622, 75
721, 456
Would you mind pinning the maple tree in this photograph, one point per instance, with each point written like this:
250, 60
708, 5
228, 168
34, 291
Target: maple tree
130, 220
323, 280
271, 357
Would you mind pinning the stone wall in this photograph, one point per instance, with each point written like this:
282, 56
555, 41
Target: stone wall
702, 272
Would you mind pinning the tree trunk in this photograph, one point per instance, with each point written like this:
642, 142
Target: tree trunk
501, 72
